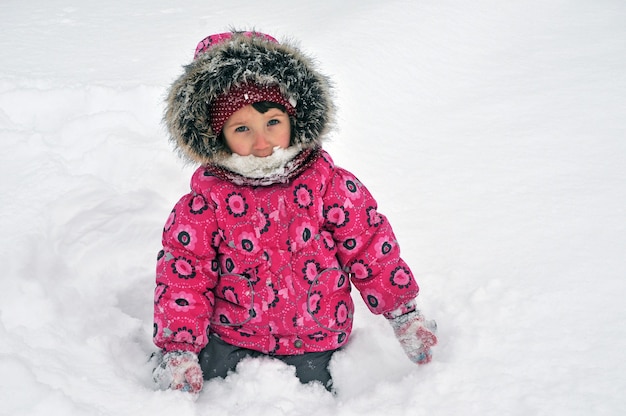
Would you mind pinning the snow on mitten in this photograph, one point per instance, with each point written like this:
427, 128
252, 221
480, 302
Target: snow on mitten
179, 370
416, 335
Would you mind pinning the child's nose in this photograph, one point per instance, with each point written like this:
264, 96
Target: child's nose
261, 142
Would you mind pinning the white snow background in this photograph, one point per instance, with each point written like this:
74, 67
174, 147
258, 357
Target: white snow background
492, 133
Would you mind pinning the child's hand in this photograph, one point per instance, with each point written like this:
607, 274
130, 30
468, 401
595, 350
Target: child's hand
416, 335
179, 370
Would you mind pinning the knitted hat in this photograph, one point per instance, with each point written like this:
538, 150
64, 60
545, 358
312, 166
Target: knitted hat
232, 70
238, 97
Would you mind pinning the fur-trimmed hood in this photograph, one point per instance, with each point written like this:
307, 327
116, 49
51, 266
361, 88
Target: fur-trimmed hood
242, 59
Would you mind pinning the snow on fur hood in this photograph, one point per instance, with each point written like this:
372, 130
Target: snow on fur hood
244, 59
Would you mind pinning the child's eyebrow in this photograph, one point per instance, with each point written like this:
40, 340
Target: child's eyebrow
273, 111
236, 121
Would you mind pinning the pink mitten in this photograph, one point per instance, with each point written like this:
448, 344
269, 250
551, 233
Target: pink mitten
179, 370
416, 335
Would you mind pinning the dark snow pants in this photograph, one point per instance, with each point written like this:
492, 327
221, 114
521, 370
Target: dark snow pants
219, 357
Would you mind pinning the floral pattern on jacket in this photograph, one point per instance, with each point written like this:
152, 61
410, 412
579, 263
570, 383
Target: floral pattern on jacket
270, 268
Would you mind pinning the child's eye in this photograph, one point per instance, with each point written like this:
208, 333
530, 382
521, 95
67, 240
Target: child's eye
241, 129
273, 122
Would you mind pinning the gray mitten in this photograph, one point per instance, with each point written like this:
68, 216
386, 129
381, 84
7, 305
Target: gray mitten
179, 370
415, 334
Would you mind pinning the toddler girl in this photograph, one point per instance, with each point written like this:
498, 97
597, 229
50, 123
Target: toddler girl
260, 256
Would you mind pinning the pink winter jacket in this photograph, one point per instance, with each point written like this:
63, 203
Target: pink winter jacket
270, 268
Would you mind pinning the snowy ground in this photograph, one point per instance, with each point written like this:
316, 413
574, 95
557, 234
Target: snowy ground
492, 133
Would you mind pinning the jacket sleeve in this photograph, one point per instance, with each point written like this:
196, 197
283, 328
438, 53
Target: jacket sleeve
366, 245
185, 276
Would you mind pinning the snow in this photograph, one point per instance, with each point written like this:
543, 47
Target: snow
492, 134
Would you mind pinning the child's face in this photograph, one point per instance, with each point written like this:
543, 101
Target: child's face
249, 132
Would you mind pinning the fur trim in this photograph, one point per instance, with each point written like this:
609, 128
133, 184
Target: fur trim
259, 167
282, 167
239, 60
